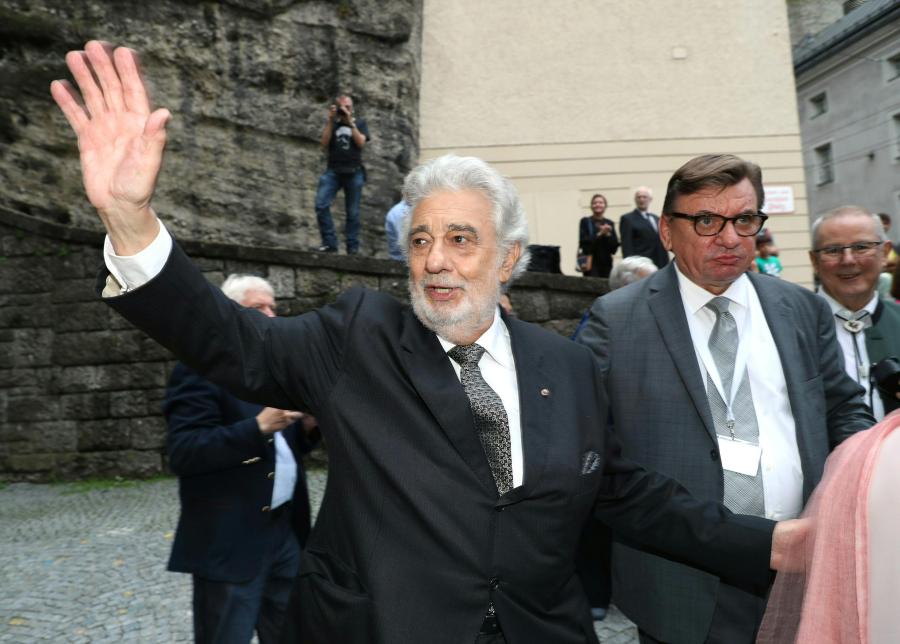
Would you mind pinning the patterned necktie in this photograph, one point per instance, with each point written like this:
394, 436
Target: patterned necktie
491, 421
743, 494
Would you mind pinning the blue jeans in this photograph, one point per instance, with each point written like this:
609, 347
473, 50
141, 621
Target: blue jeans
226, 613
329, 184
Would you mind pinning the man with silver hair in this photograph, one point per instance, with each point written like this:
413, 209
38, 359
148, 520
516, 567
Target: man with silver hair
849, 251
244, 503
465, 447
630, 270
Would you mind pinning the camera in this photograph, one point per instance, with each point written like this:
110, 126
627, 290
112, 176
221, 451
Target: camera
886, 374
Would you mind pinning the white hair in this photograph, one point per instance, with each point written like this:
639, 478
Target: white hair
848, 211
629, 270
236, 285
455, 173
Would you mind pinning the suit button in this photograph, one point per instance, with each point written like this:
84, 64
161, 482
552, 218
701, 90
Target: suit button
265, 508
495, 583
545, 392
251, 461
714, 454
270, 475
270, 441
499, 508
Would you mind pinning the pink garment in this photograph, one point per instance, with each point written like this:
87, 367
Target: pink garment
829, 601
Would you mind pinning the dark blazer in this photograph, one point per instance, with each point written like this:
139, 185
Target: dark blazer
639, 238
883, 339
411, 542
601, 249
225, 469
661, 414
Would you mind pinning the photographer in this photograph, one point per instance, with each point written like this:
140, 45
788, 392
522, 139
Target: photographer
343, 137
849, 252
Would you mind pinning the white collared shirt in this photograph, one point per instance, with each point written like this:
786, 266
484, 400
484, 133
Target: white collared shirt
499, 371
136, 270
782, 472
845, 339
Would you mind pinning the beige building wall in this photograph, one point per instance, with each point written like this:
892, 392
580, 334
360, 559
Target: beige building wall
573, 97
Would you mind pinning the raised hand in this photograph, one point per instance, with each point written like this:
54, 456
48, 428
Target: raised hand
120, 140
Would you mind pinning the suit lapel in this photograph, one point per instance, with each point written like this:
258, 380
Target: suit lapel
668, 309
783, 327
432, 375
535, 407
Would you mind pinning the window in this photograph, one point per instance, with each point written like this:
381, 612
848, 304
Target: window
896, 146
824, 164
818, 105
893, 67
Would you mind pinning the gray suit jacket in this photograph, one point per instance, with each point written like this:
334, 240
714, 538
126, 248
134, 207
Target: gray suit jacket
660, 412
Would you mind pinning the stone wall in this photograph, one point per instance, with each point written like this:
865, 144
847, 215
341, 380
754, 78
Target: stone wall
248, 83
80, 388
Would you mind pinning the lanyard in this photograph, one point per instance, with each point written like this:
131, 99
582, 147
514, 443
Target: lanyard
740, 365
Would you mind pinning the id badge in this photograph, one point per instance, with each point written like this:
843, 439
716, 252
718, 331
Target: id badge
739, 456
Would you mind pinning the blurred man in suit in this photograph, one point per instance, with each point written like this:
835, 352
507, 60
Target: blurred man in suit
640, 230
244, 504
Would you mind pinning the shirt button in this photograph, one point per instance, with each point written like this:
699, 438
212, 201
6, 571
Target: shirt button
495, 583
270, 475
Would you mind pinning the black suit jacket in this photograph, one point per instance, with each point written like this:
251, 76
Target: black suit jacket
640, 238
411, 542
224, 464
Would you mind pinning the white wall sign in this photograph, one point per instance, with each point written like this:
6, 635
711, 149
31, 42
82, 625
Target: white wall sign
779, 199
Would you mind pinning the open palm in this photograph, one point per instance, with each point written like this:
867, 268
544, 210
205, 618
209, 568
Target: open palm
120, 141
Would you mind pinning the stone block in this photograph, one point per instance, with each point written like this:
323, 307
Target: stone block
26, 347
124, 463
31, 408
80, 316
29, 315
569, 305
24, 275
103, 435
126, 404
29, 462
25, 377
313, 282
282, 280
148, 433
396, 286
532, 305
85, 406
349, 280
41, 437
74, 290
139, 375
97, 347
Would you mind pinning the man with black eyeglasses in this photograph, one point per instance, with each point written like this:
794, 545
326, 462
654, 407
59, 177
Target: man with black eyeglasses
848, 254
726, 380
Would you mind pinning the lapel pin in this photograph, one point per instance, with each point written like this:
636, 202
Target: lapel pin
545, 392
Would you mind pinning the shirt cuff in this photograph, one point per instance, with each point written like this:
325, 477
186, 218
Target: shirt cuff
133, 271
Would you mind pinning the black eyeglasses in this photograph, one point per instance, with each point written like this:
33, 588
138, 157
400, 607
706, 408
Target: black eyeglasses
859, 249
710, 225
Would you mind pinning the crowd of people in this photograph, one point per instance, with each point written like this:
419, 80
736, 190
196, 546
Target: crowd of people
471, 454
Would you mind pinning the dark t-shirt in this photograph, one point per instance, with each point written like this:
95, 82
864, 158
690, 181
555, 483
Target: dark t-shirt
343, 154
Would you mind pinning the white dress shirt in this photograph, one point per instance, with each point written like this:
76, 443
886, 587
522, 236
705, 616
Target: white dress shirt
133, 271
499, 371
845, 339
782, 473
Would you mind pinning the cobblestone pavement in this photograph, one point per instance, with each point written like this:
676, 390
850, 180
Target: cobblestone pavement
87, 564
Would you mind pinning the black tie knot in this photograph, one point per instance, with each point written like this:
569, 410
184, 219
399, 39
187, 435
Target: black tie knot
466, 355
